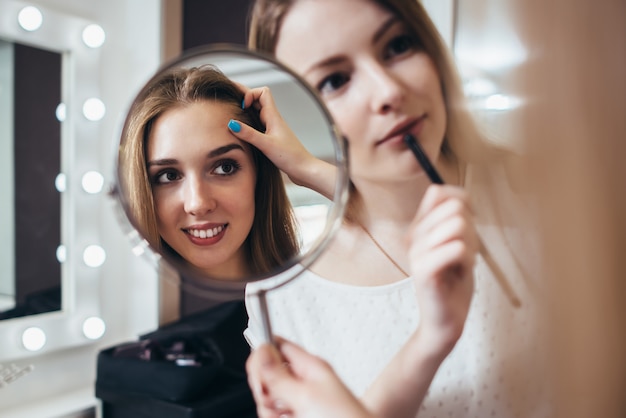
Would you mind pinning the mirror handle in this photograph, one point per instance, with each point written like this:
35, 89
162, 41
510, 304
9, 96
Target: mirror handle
268, 338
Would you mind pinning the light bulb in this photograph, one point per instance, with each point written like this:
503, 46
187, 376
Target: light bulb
93, 36
61, 112
94, 256
94, 109
92, 182
93, 328
61, 253
33, 339
501, 102
60, 182
30, 18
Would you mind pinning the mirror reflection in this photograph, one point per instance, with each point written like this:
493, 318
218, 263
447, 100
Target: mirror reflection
195, 185
30, 149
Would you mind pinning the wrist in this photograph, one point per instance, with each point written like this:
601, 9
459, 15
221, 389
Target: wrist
434, 345
317, 175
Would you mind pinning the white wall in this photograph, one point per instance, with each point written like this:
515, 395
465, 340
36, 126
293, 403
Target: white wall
442, 14
491, 56
62, 382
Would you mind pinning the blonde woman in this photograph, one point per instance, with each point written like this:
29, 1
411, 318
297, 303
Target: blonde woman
386, 304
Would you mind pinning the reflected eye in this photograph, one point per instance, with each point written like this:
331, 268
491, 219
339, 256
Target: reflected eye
165, 176
226, 168
333, 82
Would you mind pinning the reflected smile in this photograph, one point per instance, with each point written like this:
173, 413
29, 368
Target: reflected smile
205, 232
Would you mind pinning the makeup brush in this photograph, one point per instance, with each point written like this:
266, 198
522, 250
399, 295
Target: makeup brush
434, 176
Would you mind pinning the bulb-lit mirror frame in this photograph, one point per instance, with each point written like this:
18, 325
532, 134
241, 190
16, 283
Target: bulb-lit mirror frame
251, 69
70, 326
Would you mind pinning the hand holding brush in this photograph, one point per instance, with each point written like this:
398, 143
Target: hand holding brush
434, 176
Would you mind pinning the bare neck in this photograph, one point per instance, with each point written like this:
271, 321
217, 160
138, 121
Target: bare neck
396, 203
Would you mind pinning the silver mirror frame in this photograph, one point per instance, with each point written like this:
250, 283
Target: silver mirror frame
263, 66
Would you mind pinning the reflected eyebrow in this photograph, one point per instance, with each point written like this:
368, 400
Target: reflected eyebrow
339, 58
164, 161
214, 153
223, 150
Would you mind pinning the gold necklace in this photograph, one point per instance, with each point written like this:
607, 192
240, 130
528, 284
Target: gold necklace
382, 250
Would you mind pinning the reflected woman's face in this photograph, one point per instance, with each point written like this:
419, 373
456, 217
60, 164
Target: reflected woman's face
203, 181
374, 77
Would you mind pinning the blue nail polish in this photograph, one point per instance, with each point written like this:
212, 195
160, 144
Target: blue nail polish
243, 103
234, 126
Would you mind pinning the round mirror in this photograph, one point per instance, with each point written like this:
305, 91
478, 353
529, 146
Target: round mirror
213, 206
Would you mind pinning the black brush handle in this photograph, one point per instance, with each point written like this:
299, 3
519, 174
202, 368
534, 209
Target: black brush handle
423, 159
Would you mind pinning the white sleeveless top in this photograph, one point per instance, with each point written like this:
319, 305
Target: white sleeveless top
357, 329
493, 371
496, 368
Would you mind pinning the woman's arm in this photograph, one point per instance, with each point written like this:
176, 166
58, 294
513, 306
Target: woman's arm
282, 147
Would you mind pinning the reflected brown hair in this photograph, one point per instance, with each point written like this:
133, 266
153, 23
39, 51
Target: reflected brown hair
272, 240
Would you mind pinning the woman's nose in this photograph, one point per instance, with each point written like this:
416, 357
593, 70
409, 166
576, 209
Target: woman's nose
198, 198
387, 93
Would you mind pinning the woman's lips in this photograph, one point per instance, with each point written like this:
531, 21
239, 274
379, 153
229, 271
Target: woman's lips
397, 134
206, 235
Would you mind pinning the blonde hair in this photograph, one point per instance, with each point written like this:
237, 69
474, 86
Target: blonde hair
272, 239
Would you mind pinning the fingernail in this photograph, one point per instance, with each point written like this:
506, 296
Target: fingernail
234, 126
243, 103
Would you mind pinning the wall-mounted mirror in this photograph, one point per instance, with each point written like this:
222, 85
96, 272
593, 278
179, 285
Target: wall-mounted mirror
49, 278
30, 145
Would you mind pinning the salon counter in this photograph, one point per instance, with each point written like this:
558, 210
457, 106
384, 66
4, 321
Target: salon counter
79, 404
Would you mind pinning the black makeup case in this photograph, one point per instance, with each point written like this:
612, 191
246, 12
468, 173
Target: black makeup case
194, 367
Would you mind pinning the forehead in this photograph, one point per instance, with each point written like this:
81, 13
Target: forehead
203, 123
314, 29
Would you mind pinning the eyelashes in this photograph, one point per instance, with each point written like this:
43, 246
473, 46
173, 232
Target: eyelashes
226, 167
398, 46
164, 177
222, 168
332, 82
401, 44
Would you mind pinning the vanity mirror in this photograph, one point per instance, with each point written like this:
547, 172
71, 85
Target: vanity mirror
62, 163
30, 150
199, 243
